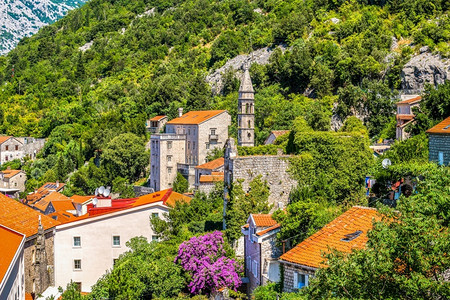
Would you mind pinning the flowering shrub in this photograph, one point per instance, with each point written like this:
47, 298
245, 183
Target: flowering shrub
203, 257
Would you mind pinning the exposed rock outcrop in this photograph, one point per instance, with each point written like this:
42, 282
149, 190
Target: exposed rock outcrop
260, 56
424, 68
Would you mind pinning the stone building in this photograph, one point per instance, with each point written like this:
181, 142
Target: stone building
12, 268
272, 168
405, 115
207, 174
19, 147
246, 112
261, 251
12, 182
39, 242
346, 232
439, 143
156, 124
185, 144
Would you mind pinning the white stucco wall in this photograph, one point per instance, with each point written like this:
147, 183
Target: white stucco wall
97, 252
11, 153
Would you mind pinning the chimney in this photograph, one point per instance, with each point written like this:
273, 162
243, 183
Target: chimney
8, 168
57, 183
180, 112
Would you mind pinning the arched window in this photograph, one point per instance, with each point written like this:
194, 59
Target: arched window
247, 108
249, 124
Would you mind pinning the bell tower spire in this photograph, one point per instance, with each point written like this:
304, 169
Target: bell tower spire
246, 112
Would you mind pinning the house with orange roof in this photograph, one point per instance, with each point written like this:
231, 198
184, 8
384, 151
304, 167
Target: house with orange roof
274, 134
261, 251
185, 144
12, 267
43, 191
156, 124
87, 246
405, 115
19, 147
207, 174
12, 182
439, 142
346, 233
38, 248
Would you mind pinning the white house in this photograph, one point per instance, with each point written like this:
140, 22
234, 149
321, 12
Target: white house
12, 269
85, 248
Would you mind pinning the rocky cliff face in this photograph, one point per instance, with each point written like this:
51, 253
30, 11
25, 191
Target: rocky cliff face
424, 68
260, 56
21, 18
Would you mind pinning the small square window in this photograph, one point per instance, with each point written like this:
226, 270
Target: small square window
6, 147
77, 241
77, 264
169, 170
169, 145
17, 147
116, 241
169, 158
207, 146
155, 215
155, 238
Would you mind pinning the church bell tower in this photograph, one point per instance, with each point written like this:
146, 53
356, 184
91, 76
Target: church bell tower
246, 112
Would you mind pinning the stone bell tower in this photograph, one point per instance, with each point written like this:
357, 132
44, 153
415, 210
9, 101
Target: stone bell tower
246, 112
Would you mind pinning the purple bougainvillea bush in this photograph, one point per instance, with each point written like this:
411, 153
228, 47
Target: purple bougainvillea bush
203, 257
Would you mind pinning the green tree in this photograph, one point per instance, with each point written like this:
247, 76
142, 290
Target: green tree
125, 156
180, 184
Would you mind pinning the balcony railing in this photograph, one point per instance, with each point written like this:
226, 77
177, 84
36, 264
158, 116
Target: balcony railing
213, 137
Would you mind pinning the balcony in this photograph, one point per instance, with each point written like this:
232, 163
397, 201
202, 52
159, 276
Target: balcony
213, 137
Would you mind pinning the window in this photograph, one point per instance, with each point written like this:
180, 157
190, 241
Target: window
77, 241
155, 215
116, 241
441, 158
17, 147
6, 147
240, 123
213, 131
189, 131
77, 264
6, 157
249, 262
249, 124
252, 233
351, 236
33, 256
300, 280
155, 238
189, 145
169, 145
169, 158
169, 170
255, 268
78, 286
207, 146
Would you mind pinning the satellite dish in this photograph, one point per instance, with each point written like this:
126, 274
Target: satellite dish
101, 190
95, 201
96, 192
386, 163
106, 193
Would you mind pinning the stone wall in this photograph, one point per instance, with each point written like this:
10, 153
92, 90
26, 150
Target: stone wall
439, 143
46, 273
289, 270
273, 169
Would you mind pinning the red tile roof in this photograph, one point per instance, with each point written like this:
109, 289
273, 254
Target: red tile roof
63, 217
195, 117
157, 118
22, 218
11, 173
278, 133
44, 190
4, 138
263, 220
63, 205
80, 199
441, 128
412, 100
212, 165
309, 252
11, 241
217, 177
405, 116
28, 296
267, 230
53, 196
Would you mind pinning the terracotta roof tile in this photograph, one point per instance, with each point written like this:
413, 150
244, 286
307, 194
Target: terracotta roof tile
11, 241
309, 252
267, 230
219, 176
405, 116
441, 128
195, 117
28, 296
263, 220
80, 199
278, 133
157, 118
63, 205
44, 190
63, 217
4, 138
22, 218
53, 196
11, 173
212, 165
412, 100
